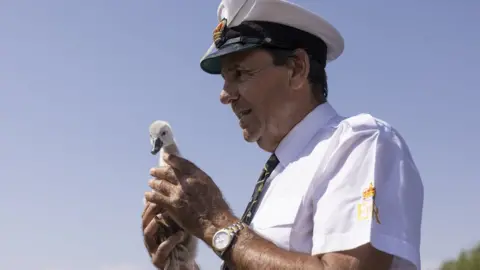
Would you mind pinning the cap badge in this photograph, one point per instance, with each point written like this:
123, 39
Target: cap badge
219, 32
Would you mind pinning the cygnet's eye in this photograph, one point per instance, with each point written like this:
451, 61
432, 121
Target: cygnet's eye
163, 133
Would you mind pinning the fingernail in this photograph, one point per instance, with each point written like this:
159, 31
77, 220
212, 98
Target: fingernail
152, 171
158, 218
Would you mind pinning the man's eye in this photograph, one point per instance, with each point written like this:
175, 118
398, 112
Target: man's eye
238, 73
241, 74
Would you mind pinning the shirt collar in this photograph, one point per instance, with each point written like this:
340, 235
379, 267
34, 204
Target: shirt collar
297, 139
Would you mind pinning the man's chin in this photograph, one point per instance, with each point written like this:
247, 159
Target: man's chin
250, 136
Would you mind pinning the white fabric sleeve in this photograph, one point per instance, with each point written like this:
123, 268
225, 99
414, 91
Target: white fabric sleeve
343, 202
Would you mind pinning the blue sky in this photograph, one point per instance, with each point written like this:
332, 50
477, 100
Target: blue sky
80, 81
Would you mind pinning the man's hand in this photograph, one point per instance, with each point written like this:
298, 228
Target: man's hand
158, 251
190, 197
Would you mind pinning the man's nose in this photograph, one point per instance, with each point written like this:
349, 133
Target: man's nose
227, 95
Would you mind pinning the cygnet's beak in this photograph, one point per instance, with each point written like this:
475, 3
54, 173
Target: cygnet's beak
157, 145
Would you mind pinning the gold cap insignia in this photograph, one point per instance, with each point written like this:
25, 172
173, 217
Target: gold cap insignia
219, 31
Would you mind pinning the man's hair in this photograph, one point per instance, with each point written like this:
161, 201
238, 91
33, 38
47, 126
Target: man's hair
317, 76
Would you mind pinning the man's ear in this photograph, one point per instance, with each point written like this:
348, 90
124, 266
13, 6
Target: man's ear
299, 65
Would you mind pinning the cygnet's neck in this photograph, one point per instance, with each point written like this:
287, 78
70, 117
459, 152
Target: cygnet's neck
171, 149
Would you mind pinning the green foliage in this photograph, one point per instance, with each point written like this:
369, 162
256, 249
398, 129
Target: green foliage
466, 260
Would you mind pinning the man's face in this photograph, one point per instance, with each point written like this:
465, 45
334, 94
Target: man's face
258, 92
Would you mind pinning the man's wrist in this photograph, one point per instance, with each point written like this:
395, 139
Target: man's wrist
221, 221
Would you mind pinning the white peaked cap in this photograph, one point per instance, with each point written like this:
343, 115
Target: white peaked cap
234, 12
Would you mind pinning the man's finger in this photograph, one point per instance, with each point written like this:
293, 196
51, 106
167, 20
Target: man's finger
158, 199
179, 163
151, 210
150, 236
164, 173
161, 186
166, 247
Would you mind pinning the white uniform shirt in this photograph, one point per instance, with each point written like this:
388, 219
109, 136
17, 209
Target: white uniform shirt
319, 198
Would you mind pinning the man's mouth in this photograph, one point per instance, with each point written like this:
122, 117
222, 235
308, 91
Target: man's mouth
243, 113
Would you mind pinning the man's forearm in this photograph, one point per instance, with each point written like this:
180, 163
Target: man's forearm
252, 252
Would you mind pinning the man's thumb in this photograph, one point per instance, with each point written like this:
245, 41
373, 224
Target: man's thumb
179, 163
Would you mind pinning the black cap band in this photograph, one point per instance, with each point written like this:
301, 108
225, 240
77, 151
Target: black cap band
268, 34
261, 34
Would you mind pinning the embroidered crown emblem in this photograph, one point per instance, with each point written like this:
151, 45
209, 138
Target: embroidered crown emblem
369, 192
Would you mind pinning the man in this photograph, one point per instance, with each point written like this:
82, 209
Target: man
337, 192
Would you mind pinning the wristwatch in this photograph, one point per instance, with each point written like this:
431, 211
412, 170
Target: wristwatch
223, 238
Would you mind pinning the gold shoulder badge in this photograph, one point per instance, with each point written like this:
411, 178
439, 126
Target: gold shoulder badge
218, 31
369, 192
368, 208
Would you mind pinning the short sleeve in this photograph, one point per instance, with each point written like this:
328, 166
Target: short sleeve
370, 192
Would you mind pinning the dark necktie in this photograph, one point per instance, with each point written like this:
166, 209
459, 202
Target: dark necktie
253, 204
247, 217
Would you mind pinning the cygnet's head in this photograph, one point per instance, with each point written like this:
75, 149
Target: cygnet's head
160, 135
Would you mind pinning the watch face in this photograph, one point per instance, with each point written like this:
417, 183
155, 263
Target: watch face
221, 240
